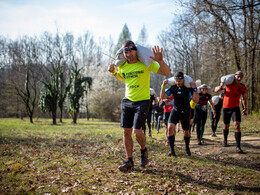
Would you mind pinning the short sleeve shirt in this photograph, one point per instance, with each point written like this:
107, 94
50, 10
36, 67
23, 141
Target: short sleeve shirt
168, 104
204, 98
137, 80
233, 93
181, 97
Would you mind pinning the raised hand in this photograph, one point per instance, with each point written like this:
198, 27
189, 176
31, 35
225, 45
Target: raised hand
193, 85
165, 81
157, 54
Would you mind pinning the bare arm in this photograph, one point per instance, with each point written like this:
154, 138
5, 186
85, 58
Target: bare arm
195, 96
162, 92
155, 99
220, 87
244, 100
112, 69
212, 107
158, 57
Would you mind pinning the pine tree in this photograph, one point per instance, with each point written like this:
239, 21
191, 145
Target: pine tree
142, 38
124, 36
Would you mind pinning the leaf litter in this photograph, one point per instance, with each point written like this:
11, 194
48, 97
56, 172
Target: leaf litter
87, 163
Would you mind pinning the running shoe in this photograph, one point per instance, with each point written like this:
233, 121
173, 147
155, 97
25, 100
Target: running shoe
224, 144
213, 135
172, 153
239, 150
199, 142
126, 166
144, 157
188, 153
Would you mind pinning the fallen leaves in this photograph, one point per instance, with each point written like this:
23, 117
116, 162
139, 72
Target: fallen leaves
86, 162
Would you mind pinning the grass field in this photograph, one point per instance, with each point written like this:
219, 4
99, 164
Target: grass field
41, 158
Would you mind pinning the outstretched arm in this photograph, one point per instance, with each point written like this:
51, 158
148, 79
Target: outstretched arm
158, 57
112, 69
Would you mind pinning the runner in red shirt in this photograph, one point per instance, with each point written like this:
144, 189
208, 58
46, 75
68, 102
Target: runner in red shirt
231, 108
168, 105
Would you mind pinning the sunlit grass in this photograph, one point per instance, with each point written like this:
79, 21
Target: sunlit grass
83, 158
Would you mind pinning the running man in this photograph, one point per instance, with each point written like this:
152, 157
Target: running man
181, 109
168, 105
231, 108
135, 104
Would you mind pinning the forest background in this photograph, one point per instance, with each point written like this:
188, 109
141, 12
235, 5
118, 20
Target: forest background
60, 75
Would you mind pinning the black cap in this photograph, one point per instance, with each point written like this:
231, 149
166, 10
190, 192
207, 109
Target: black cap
178, 75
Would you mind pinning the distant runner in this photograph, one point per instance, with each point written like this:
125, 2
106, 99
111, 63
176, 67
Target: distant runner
201, 111
153, 98
168, 106
218, 109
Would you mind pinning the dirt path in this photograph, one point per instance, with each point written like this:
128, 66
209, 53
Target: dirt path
212, 149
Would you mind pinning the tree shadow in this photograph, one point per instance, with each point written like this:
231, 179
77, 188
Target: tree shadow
189, 179
219, 158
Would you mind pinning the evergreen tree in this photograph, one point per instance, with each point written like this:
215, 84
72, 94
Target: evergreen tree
124, 36
142, 38
80, 85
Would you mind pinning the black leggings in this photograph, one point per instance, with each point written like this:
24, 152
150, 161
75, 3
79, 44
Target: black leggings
214, 121
200, 119
148, 120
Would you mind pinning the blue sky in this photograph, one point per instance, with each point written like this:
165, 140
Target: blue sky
102, 18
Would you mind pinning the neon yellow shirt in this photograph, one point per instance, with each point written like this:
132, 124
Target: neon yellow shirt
137, 80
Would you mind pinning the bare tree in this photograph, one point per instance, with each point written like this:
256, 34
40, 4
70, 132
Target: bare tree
25, 72
220, 37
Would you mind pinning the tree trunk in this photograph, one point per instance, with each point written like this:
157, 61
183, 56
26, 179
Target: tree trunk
31, 119
75, 117
61, 115
54, 118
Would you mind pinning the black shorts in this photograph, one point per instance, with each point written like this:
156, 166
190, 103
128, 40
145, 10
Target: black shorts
183, 116
133, 114
233, 112
166, 117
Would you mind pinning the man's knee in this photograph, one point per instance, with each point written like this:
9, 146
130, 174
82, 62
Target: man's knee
127, 132
226, 126
138, 132
186, 133
171, 129
237, 126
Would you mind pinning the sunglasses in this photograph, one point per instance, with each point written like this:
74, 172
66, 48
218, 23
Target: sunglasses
130, 48
178, 78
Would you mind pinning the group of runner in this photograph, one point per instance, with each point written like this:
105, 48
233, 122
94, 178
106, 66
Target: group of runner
136, 103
